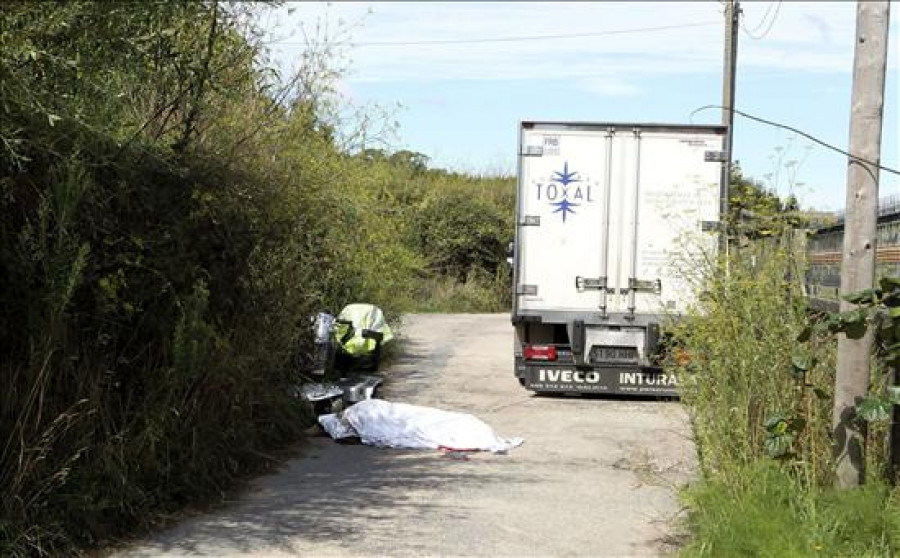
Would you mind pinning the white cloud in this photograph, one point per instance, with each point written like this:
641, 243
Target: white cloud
806, 36
807, 39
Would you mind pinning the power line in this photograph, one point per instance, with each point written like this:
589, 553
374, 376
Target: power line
752, 34
802, 133
519, 38
762, 20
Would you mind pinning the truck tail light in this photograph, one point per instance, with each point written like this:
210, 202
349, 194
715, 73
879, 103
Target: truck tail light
540, 352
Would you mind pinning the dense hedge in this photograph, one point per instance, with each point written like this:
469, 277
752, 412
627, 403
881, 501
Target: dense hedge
173, 216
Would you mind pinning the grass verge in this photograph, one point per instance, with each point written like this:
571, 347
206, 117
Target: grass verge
767, 512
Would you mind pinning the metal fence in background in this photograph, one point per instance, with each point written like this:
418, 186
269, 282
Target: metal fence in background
824, 253
887, 205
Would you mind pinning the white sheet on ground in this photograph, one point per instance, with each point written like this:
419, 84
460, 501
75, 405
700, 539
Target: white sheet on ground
400, 425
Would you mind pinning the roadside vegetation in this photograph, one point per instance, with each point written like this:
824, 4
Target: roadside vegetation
757, 369
173, 214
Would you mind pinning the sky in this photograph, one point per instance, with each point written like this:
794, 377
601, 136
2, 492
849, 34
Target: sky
458, 77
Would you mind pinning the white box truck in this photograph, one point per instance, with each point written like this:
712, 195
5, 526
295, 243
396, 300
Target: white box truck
612, 221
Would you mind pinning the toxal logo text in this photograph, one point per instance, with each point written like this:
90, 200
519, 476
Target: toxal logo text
566, 192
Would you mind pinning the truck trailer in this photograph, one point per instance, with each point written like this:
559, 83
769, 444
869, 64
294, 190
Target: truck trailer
614, 222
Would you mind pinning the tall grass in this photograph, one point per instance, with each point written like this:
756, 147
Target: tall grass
742, 338
126, 392
761, 403
768, 512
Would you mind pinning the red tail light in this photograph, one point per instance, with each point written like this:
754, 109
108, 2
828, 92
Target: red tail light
540, 352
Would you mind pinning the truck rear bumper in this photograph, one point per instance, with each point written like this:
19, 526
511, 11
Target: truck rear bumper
612, 379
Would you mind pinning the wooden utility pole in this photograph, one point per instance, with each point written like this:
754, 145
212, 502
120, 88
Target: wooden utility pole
732, 26
894, 436
858, 263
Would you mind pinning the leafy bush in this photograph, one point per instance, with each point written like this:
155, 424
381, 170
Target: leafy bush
173, 215
459, 233
135, 377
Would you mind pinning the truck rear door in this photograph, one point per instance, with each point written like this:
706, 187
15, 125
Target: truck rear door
561, 203
614, 217
668, 214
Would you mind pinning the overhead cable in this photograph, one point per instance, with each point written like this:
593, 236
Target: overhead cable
802, 133
752, 34
519, 38
762, 20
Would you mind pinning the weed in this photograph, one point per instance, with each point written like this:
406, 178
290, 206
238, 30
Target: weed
761, 409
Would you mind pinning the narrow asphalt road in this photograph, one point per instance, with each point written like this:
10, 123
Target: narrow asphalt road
595, 477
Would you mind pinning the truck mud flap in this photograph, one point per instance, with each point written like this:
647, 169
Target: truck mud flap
609, 380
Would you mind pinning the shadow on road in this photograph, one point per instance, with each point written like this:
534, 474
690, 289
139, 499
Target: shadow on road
584, 459
350, 496
339, 494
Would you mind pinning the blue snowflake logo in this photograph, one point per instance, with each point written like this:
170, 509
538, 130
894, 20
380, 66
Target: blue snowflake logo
564, 178
564, 207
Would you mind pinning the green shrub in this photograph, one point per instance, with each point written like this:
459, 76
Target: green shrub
172, 219
131, 385
458, 233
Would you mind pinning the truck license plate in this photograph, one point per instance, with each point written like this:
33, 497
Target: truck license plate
614, 354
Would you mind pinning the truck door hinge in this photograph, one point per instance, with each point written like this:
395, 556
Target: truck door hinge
715, 156
647, 286
590, 283
527, 290
533, 151
530, 221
